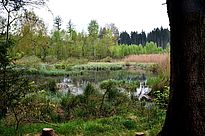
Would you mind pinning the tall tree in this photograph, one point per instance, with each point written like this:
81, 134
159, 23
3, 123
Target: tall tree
134, 38
114, 30
70, 27
10, 81
107, 39
71, 31
57, 37
31, 28
143, 38
160, 36
57, 23
125, 38
186, 110
13, 6
93, 29
42, 41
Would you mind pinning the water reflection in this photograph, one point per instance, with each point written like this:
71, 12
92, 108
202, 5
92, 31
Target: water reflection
68, 86
76, 84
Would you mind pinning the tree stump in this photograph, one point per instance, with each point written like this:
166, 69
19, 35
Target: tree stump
139, 134
48, 132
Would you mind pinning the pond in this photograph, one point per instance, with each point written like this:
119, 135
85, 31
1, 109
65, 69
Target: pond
77, 82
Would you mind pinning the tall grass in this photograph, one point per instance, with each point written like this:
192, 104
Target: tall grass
110, 126
162, 61
147, 58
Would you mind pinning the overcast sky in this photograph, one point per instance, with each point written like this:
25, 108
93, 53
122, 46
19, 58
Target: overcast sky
127, 15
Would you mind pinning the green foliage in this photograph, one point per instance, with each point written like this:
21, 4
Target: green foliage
154, 68
13, 85
65, 44
99, 66
107, 59
113, 100
161, 97
115, 125
55, 72
130, 124
34, 107
93, 28
51, 59
125, 50
89, 90
107, 85
151, 48
28, 104
29, 61
129, 116
160, 90
51, 86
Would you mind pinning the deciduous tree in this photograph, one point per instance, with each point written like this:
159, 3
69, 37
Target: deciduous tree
8, 76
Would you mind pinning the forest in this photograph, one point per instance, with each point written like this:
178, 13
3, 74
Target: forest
79, 83
32, 38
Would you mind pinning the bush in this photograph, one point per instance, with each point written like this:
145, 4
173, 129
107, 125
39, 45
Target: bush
74, 61
32, 71
29, 61
160, 90
130, 124
51, 59
89, 90
161, 97
51, 86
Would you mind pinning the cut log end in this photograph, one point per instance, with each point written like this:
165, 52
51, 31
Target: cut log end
48, 132
139, 134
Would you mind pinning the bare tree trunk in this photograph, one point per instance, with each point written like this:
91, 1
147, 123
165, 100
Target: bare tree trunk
186, 110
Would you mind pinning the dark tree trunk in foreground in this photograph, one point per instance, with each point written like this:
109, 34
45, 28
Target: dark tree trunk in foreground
186, 110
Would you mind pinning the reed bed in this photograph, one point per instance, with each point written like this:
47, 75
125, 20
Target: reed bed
147, 58
161, 60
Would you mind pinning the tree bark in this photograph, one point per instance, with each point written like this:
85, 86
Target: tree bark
186, 109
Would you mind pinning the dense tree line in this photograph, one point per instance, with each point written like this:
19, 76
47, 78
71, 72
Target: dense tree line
160, 36
31, 37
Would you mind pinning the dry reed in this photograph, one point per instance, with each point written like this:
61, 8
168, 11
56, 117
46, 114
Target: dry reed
162, 60
147, 58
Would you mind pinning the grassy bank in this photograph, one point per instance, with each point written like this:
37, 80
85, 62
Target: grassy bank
125, 125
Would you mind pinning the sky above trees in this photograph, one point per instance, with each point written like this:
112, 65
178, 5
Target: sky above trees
127, 15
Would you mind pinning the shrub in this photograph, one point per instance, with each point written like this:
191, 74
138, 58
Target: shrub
29, 61
160, 90
74, 61
32, 71
161, 97
89, 90
51, 86
130, 124
51, 59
